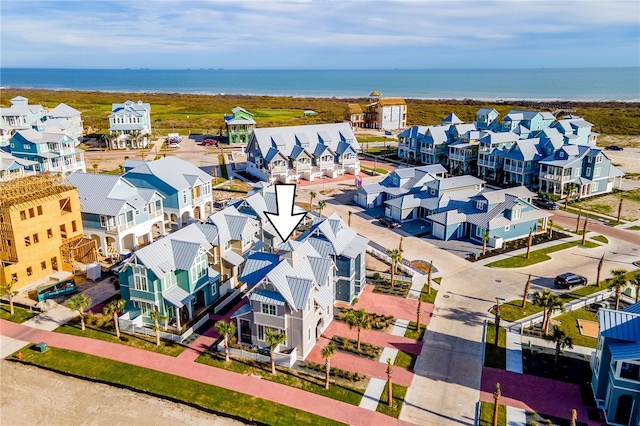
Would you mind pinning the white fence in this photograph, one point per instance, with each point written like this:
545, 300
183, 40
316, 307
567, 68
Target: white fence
519, 326
281, 359
228, 300
135, 325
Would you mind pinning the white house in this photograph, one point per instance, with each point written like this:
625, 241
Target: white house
131, 122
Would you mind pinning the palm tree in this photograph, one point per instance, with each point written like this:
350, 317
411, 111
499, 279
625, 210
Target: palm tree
529, 242
135, 135
618, 282
550, 229
429, 277
113, 138
584, 230
496, 403
95, 167
273, 340
620, 210
226, 329
389, 383
527, 287
578, 220
7, 290
349, 223
561, 341
113, 308
396, 257
79, 303
549, 303
418, 314
574, 413
312, 195
359, 319
321, 205
635, 282
157, 317
485, 238
327, 351
497, 323
600, 264
400, 243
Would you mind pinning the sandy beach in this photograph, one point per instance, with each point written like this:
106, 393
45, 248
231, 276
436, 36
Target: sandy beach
63, 400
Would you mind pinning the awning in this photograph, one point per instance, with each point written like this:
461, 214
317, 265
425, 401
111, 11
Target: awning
242, 310
177, 296
233, 258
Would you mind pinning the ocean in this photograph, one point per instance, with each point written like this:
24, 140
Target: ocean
583, 84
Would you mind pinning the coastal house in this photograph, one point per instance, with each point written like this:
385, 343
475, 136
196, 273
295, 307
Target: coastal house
492, 148
290, 292
288, 154
239, 125
41, 231
19, 116
117, 215
13, 167
463, 153
67, 119
186, 188
504, 215
486, 119
577, 170
403, 180
354, 115
521, 163
386, 114
53, 151
131, 123
529, 120
615, 365
425, 144
576, 130
333, 239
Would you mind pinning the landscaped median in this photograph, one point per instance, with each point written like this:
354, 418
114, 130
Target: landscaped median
537, 256
19, 316
179, 389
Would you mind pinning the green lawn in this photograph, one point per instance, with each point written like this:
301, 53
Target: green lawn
412, 333
537, 256
398, 394
569, 324
486, 414
211, 398
430, 298
590, 215
377, 170
20, 315
600, 238
405, 360
148, 343
634, 228
285, 376
495, 356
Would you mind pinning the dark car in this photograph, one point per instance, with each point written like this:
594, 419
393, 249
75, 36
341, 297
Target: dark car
569, 280
388, 132
614, 148
545, 204
389, 223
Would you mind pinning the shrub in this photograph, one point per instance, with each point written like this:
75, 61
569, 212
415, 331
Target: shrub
376, 276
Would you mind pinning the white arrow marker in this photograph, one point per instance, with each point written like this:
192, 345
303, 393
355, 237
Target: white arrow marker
284, 220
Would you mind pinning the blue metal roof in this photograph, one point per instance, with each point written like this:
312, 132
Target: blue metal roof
624, 350
619, 325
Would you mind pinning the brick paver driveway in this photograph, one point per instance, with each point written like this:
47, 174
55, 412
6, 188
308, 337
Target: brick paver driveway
391, 305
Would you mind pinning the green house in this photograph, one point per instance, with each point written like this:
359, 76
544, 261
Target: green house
240, 125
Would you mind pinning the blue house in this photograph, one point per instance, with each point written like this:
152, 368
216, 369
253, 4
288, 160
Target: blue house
492, 148
576, 130
616, 365
521, 163
486, 118
185, 187
53, 151
116, 214
531, 120
13, 167
333, 239
19, 116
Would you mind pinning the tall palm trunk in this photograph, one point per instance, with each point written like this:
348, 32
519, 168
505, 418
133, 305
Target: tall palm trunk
429, 277
527, 287
496, 402
327, 369
600, 264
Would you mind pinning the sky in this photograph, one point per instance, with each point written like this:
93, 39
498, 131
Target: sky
322, 34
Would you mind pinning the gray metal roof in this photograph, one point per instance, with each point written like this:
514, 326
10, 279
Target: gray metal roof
300, 290
63, 111
177, 173
267, 296
619, 325
233, 258
242, 310
320, 267
177, 296
184, 253
323, 297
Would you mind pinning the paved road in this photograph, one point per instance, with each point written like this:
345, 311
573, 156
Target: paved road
569, 220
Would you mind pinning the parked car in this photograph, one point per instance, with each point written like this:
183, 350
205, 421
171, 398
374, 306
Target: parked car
389, 223
569, 280
614, 148
388, 132
595, 307
210, 142
545, 203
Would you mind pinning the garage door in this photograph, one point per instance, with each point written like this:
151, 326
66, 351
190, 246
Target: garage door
438, 231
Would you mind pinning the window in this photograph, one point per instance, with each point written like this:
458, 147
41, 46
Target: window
596, 172
432, 191
480, 231
214, 290
507, 227
137, 212
184, 197
103, 221
309, 304
14, 277
268, 309
35, 238
43, 265
32, 213
65, 205
577, 171
261, 333
29, 271
74, 227
516, 213
588, 171
23, 215
54, 263
594, 186
26, 146
140, 277
480, 205
145, 307
227, 245
49, 233
39, 210
63, 232
27, 241
599, 158
247, 240
309, 334
630, 371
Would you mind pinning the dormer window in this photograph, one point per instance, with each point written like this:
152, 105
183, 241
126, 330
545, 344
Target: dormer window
516, 212
480, 204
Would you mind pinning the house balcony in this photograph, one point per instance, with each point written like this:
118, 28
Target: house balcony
484, 148
428, 150
487, 163
155, 213
303, 167
514, 169
119, 228
459, 157
197, 200
556, 178
64, 150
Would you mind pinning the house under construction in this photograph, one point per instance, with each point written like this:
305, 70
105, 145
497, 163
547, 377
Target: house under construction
40, 231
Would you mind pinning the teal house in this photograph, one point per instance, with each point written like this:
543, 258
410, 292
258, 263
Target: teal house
616, 366
52, 150
240, 125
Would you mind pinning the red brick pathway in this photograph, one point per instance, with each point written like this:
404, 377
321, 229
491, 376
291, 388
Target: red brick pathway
345, 361
533, 393
270, 391
379, 338
391, 305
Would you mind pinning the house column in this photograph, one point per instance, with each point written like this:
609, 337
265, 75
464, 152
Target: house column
190, 309
178, 315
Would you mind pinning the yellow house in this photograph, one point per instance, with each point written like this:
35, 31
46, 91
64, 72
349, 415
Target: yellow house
40, 230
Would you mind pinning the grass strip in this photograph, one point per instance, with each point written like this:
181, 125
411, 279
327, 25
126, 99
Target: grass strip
413, 333
399, 392
495, 356
590, 215
147, 343
223, 166
175, 388
537, 256
20, 315
377, 170
405, 360
285, 376
486, 414
601, 238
